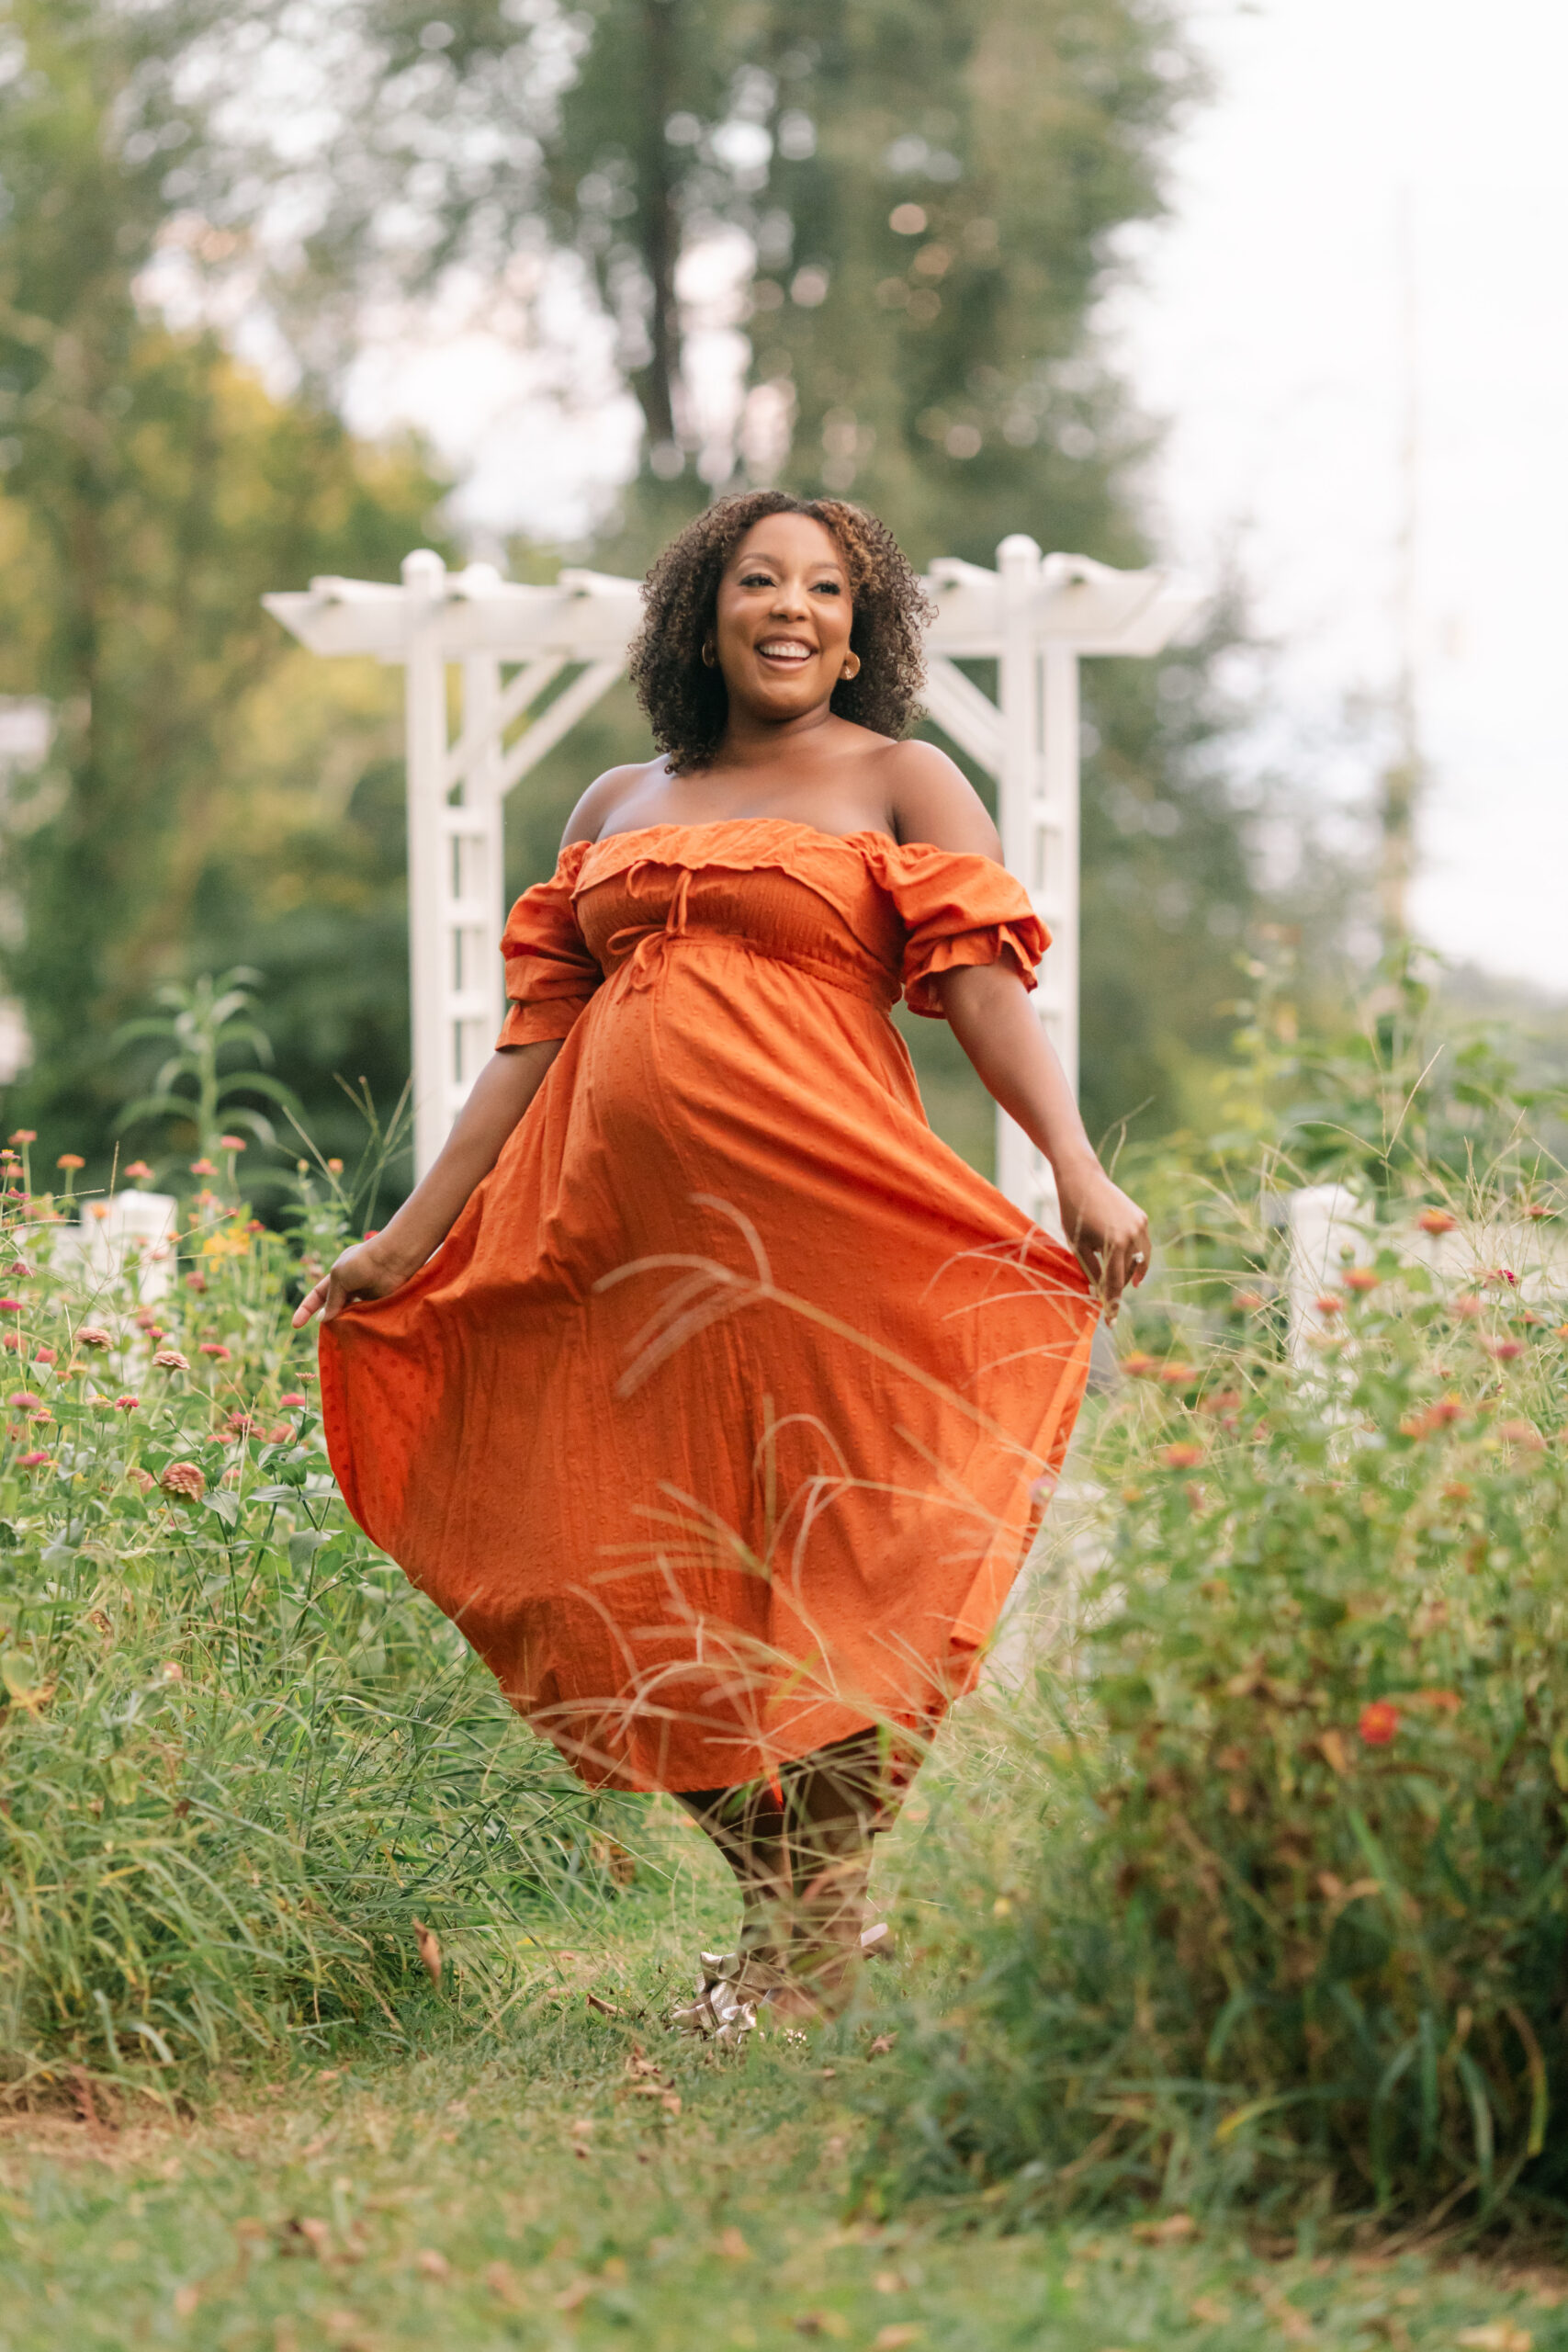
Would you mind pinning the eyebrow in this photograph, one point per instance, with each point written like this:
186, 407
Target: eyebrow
823, 564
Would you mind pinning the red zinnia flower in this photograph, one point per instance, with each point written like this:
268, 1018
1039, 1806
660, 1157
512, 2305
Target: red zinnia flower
126, 1404
216, 1347
12, 1307
1379, 1722
1361, 1278
1327, 1303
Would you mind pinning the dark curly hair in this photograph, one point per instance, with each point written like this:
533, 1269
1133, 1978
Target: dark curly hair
686, 702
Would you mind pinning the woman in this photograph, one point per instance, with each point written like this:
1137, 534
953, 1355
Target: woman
708, 1391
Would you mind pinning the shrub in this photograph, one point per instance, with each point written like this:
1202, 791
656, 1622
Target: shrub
239, 1754
1290, 1915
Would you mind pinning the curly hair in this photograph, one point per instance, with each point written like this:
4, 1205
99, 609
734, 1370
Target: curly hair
686, 702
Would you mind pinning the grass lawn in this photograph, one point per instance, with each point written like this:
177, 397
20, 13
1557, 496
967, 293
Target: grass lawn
556, 2176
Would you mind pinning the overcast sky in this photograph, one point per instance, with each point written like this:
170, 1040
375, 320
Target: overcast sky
1268, 329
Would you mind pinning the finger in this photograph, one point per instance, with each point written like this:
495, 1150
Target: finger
310, 1304
337, 1297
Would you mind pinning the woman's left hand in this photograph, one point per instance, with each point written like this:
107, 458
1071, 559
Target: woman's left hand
1110, 1233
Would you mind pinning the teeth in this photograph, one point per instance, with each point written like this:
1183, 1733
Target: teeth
787, 651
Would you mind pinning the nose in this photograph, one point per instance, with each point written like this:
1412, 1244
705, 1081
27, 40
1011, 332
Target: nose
790, 600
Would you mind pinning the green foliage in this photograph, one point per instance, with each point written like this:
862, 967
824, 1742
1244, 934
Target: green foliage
241, 1755
1290, 1919
204, 1022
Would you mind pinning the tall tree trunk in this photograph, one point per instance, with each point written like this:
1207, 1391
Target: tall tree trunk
655, 384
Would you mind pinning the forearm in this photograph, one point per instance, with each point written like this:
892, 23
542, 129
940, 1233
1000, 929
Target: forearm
988, 1011
501, 1095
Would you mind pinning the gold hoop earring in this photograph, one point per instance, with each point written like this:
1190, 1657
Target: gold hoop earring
710, 658
851, 670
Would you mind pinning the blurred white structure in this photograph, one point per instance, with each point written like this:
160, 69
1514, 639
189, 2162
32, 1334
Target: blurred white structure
129, 1234
1034, 618
1330, 1227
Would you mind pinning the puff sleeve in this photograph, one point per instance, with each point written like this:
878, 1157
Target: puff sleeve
550, 972
959, 909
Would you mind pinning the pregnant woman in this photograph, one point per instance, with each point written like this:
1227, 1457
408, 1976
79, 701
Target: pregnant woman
711, 1395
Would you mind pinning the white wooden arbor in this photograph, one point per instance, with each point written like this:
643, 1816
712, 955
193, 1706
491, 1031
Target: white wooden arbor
534, 660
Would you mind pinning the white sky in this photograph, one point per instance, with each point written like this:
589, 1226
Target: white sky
1268, 330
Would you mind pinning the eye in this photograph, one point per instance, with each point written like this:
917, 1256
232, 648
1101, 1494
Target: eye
756, 579
827, 588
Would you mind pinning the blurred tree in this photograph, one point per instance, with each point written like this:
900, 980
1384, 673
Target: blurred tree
151, 492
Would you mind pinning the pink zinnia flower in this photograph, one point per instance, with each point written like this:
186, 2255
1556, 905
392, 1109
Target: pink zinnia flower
139, 1170
294, 1397
184, 1478
32, 1461
216, 1349
24, 1401
1505, 1350
202, 1168
12, 1307
95, 1336
229, 1143
25, 1135
71, 1159
126, 1404
171, 1359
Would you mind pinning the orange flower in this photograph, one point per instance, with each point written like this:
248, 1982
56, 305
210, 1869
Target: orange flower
1138, 1366
1436, 1221
71, 1159
1326, 1303
1361, 1278
25, 1135
184, 1478
1439, 1415
1379, 1722
1249, 1300
1177, 1375
1182, 1457
334, 1167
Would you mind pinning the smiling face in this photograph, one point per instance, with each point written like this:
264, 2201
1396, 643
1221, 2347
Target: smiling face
781, 622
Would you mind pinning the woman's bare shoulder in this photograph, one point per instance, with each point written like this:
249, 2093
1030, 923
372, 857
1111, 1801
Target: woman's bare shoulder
606, 795
931, 800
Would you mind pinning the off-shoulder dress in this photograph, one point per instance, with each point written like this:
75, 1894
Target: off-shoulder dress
724, 1416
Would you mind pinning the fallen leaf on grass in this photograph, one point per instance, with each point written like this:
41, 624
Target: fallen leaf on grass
733, 2246
882, 2045
903, 2331
821, 2324
428, 1950
1168, 2232
1497, 2336
605, 2008
502, 2280
307, 2235
1209, 2312
186, 2298
570, 2297
430, 2264
889, 2282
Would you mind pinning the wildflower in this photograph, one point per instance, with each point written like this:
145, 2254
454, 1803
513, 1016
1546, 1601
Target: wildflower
216, 1349
71, 1159
229, 1143
93, 1336
43, 1414
139, 1170
1250, 1300
1177, 1375
334, 1167
1436, 1221
282, 1435
202, 1168
1359, 1278
24, 1401
1435, 1416
25, 1135
1442, 1702
1467, 1307
21, 1272
1456, 1491
32, 1461
1139, 1367
1505, 1350
184, 1478
170, 1672
195, 1282
142, 1479
1500, 1274
126, 1404
43, 1355
12, 1307
1379, 1722
171, 1359
1182, 1457
1523, 1433
1538, 1210
242, 1423
1327, 1303
293, 1397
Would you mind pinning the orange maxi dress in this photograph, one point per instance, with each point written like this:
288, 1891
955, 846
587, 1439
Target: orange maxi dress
724, 1416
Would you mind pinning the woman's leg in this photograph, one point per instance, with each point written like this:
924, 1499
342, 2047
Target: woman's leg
801, 1853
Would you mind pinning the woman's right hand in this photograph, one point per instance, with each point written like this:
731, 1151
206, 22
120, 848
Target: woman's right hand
368, 1269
